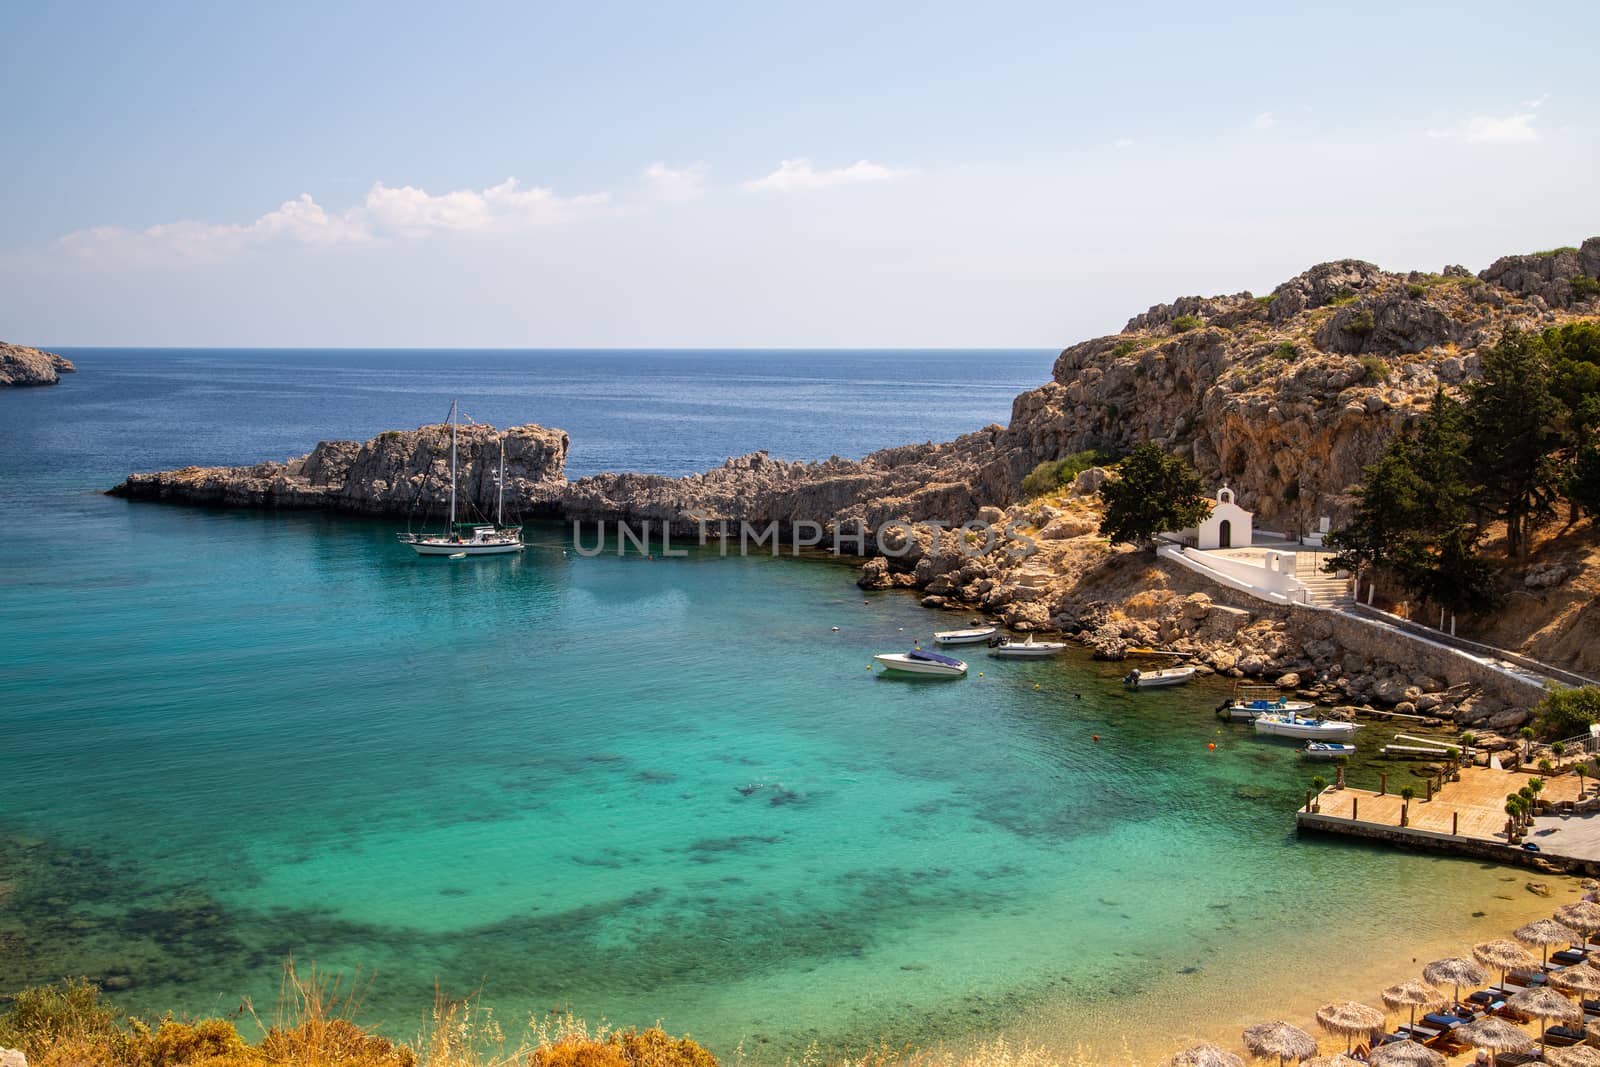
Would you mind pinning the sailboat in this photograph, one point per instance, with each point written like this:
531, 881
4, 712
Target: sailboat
462, 539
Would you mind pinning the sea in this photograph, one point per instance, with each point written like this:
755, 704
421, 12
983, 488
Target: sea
634, 789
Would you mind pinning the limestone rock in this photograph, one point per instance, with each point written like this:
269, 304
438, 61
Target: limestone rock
20, 365
10, 1057
1544, 576
1289, 681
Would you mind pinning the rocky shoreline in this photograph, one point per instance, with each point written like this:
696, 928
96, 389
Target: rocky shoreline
1286, 397
22, 366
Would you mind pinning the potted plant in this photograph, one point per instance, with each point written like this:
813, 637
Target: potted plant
1454, 755
1558, 749
1526, 733
1318, 785
1406, 793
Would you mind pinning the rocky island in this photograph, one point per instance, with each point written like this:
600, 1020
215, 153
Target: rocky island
20, 365
1286, 397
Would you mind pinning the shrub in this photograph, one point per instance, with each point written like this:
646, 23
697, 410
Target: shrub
47, 1016
1266, 301
1415, 291
1555, 251
1052, 474
1584, 286
1567, 712
1124, 348
1345, 295
1287, 351
1361, 323
1376, 369
1185, 323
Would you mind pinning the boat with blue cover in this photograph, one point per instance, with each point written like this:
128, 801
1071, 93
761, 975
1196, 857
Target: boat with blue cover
919, 662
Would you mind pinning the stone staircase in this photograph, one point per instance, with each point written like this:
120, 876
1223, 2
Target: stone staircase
1327, 591
1322, 589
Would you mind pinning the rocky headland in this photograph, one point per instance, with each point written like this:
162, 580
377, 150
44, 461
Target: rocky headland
20, 365
1285, 396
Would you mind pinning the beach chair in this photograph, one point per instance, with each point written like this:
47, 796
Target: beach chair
1563, 1035
1567, 956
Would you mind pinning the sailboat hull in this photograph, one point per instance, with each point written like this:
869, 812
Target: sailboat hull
457, 548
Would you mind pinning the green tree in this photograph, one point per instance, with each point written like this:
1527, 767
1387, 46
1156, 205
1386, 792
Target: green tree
1583, 481
1156, 491
1515, 418
1414, 520
1567, 712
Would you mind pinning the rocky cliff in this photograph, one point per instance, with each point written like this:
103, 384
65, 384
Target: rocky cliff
1285, 396
395, 473
20, 365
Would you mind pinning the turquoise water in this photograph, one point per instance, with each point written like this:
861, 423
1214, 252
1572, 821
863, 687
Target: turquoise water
644, 789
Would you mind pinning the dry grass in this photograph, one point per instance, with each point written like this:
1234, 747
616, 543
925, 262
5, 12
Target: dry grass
67, 1025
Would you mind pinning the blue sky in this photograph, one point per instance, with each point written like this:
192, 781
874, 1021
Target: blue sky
759, 174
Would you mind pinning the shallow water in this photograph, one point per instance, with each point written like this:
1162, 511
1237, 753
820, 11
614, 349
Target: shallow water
644, 789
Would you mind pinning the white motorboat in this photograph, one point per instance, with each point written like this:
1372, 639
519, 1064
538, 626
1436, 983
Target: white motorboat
467, 538
919, 662
1137, 679
964, 637
1028, 649
1293, 725
1258, 707
1327, 750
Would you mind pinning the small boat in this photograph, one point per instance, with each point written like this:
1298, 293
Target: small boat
1253, 701
919, 662
1006, 648
1292, 725
466, 538
1254, 709
1327, 750
964, 637
1137, 679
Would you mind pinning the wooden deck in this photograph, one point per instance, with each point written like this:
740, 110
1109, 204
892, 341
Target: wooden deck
1472, 810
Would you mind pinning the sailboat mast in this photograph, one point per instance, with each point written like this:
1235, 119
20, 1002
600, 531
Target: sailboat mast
452, 465
500, 501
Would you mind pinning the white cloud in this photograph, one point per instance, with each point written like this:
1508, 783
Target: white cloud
1123, 142
676, 183
1492, 129
799, 175
1537, 101
1265, 121
386, 213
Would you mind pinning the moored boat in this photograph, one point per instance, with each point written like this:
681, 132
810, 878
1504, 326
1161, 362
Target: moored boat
964, 637
1253, 701
1327, 750
1137, 679
1293, 725
919, 662
1029, 649
470, 538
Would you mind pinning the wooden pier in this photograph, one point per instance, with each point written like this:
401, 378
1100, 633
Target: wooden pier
1467, 817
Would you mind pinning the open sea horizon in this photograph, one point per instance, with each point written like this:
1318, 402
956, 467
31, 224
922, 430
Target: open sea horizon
634, 789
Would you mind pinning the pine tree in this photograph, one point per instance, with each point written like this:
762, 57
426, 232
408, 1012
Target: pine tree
1515, 423
1156, 491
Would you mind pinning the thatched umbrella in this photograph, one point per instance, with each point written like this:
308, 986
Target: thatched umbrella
1582, 915
1456, 971
1504, 956
1495, 1034
1544, 933
1406, 1054
1280, 1039
1545, 1004
1576, 1056
1412, 994
1205, 1055
1580, 978
1349, 1018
